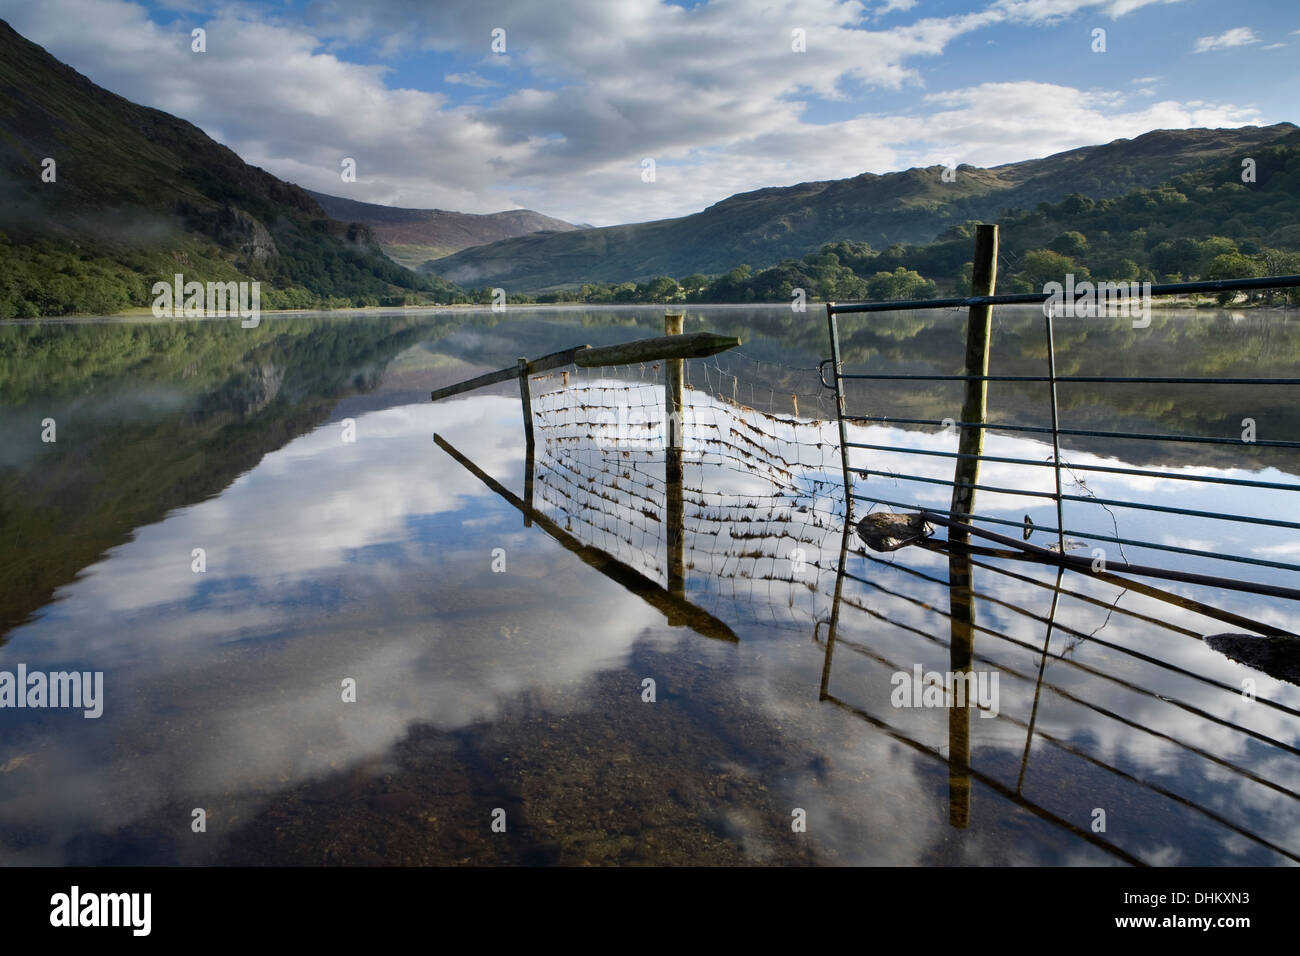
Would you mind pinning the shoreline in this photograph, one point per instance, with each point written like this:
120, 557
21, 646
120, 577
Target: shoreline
144, 314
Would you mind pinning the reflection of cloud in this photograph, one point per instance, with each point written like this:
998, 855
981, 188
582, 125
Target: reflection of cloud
372, 561
254, 650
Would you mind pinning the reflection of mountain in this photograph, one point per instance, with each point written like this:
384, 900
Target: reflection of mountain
1200, 344
154, 417
781, 351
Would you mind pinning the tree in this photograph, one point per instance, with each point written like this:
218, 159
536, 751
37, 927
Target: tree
1071, 243
1232, 265
1043, 266
659, 289
899, 284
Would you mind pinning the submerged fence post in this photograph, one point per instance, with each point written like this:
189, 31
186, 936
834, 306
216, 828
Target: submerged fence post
834, 327
1056, 430
975, 406
961, 604
674, 401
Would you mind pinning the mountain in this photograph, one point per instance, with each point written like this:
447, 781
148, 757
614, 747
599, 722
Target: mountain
913, 206
138, 194
412, 237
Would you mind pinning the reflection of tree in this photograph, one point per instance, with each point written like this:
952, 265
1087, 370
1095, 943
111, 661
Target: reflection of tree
1202, 345
242, 393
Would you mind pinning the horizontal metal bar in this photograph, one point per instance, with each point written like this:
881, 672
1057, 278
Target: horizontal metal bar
1129, 584
1092, 638
1122, 567
1082, 432
1070, 466
1066, 694
1086, 379
993, 489
994, 784
1089, 669
1076, 751
1085, 499
1143, 506
1032, 298
1097, 535
543, 364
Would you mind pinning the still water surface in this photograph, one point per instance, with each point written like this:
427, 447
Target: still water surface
523, 689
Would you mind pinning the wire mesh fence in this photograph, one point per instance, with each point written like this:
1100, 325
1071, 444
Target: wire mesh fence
760, 491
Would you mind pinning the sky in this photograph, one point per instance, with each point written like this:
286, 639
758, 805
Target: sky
561, 105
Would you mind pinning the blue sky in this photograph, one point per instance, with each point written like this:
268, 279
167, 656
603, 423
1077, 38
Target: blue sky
714, 92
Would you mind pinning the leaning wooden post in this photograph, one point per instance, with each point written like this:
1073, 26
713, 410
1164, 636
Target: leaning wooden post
674, 401
526, 399
529, 471
975, 407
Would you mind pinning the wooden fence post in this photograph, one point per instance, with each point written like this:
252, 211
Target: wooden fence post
674, 400
526, 399
961, 647
674, 386
975, 407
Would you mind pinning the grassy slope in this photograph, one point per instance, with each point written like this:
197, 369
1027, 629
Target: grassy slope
141, 194
762, 227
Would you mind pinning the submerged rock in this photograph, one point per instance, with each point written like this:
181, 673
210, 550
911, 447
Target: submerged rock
1277, 656
887, 531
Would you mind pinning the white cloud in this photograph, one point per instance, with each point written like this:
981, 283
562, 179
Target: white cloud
1047, 11
470, 79
1237, 36
714, 94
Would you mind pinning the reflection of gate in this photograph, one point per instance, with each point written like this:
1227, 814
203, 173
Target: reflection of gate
889, 614
905, 452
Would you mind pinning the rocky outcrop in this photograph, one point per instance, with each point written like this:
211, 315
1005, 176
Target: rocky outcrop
234, 227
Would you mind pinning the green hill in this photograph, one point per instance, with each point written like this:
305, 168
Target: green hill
914, 206
139, 195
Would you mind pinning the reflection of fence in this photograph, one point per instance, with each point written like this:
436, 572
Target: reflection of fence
885, 614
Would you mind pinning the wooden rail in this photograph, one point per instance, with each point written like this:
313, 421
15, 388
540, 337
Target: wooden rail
695, 345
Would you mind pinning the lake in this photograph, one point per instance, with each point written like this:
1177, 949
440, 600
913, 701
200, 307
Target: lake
327, 638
